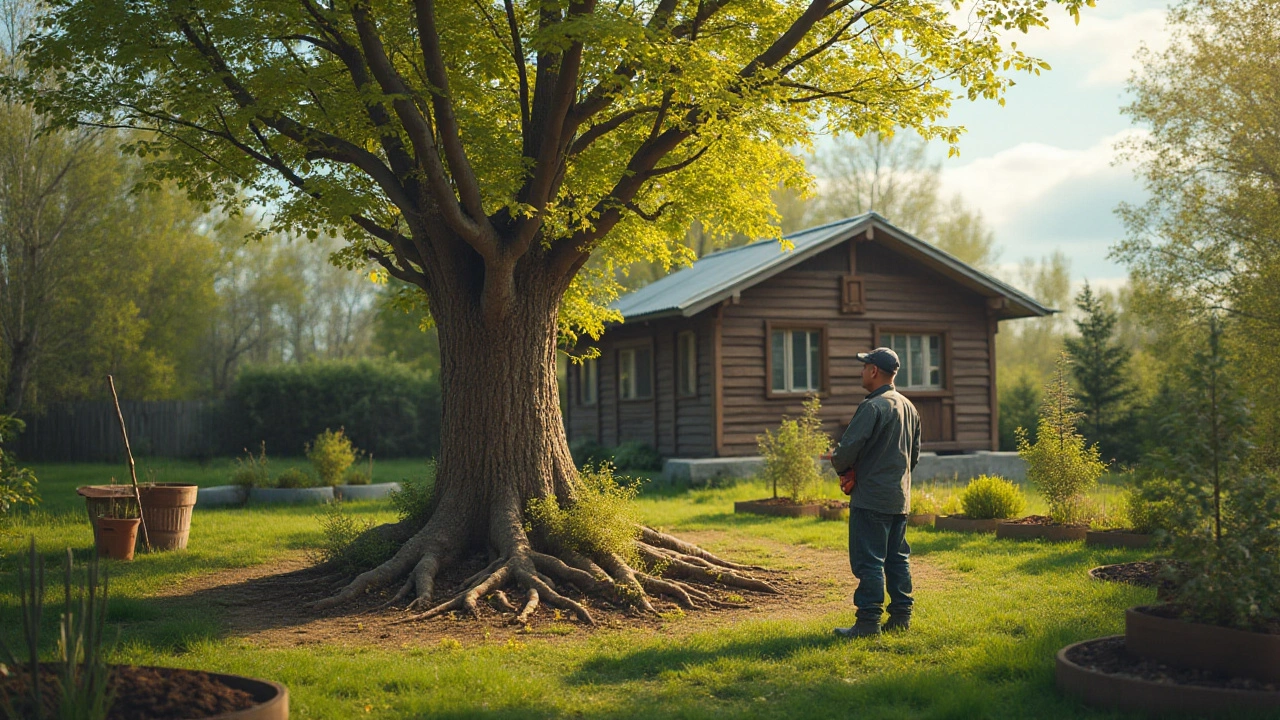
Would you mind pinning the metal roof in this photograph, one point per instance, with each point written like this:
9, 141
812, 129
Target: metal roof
717, 276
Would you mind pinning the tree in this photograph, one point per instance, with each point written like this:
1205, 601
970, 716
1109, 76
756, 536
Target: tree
1100, 368
1209, 236
892, 175
1019, 405
483, 152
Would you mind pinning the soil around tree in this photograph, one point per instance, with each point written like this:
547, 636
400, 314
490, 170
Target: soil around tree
1143, 573
1110, 656
141, 693
267, 605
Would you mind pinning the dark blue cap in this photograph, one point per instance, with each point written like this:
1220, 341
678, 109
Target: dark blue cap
883, 358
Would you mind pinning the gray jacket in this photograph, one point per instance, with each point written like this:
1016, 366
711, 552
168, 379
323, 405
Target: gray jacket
882, 443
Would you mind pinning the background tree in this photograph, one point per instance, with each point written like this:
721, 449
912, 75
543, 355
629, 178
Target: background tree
1209, 237
483, 152
1100, 369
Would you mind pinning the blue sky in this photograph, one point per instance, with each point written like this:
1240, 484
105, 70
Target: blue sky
1041, 169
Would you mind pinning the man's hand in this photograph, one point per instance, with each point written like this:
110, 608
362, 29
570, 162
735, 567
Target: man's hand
848, 479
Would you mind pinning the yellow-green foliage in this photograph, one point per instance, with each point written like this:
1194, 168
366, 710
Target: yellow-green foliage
791, 452
989, 497
347, 542
294, 478
602, 518
1059, 464
924, 502
331, 454
252, 471
17, 484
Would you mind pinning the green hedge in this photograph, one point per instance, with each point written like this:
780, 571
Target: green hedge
389, 410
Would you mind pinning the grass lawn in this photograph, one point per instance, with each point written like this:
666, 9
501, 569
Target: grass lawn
990, 615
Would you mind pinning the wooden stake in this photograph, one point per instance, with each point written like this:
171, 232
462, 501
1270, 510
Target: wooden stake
133, 472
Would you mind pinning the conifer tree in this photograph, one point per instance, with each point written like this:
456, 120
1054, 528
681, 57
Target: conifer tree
1100, 371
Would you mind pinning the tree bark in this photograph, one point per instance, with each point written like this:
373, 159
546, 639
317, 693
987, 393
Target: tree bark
21, 360
503, 444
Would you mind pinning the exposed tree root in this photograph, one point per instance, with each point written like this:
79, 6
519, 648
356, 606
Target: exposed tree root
667, 567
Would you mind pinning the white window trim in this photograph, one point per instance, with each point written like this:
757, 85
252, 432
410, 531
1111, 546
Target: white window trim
788, 361
903, 379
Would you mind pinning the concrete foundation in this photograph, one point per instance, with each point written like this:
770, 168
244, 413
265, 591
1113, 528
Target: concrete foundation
705, 471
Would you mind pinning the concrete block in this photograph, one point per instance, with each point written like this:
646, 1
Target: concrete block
704, 471
376, 491
220, 496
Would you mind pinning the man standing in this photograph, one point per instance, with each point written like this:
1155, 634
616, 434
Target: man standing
881, 447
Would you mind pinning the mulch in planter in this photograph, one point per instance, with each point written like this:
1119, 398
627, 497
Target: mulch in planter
141, 693
1143, 573
1169, 611
1110, 656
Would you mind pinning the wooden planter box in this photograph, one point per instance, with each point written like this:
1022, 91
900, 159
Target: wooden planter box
922, 520
957, 523
1179, 643
1053, 533
1118, 538
765, 507
833, 513
1132, 694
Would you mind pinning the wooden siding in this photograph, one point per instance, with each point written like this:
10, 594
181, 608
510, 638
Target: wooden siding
900, 296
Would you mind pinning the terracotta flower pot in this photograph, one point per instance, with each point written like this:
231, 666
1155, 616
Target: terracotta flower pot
99, 500
959, 523
116, 537
1185, 644
167, 509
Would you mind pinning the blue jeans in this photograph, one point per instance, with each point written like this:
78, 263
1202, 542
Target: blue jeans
879, 555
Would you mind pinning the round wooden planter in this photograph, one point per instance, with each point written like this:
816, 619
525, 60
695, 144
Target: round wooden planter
1195, 645
1118, 538
1137, 695
964, 524
1052, 533
166, 508
376, 491
922, 520
763, 507
833, 513
272, 698
292, 496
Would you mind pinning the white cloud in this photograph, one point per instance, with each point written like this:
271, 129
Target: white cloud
1006, 184
1105, 46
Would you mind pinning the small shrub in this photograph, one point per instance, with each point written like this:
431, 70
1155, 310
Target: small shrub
416, 497
992, 498
1158, 504
601, 519
951, 506
924, 502
294, 478
348, 543
1234, 581
17, 484
1059, 464
586, 451
252, 471
790, 453
331, 453
357, 477
635, 455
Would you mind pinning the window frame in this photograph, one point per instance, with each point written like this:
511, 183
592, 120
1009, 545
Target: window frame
824, 364
947, 375
687, 368
632, 347
588, 380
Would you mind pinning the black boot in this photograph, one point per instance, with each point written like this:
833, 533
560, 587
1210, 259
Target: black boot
860, 629
898, 623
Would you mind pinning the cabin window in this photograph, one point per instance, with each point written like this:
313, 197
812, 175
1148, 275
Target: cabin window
921, 357
588, 381
796, 357
687, 364
635, 373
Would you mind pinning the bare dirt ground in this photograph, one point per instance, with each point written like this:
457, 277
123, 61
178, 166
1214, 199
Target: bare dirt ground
267, 605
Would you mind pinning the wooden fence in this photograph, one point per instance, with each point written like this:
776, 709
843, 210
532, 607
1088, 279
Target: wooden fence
90, 431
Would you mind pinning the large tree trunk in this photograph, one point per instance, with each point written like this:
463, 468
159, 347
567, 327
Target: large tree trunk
21, 360
502, 445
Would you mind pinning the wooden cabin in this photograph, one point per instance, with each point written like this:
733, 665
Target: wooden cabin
711, 356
